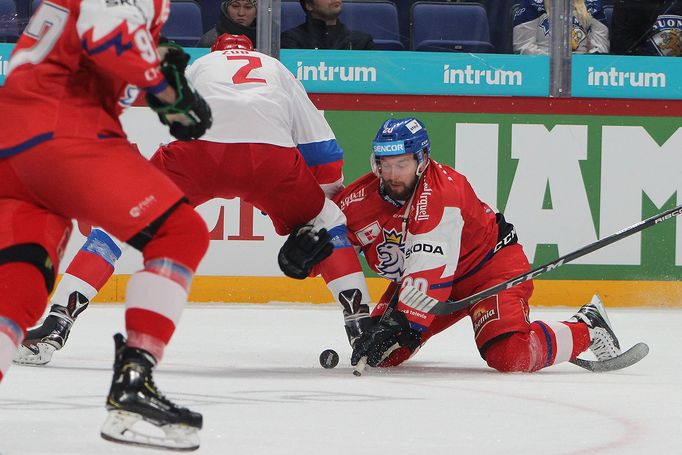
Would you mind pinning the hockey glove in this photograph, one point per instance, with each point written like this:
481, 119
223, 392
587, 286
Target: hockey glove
383, 337
173, 54
355, 314
304, 248
189, 116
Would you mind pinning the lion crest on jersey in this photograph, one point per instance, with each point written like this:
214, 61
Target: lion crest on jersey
391, 255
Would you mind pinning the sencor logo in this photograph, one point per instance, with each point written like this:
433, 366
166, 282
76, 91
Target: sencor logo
470, 76
615, 78
323, 72
389, 148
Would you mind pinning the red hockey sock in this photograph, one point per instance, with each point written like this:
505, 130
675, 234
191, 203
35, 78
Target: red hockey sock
581, 337
561, 341
546, 344
95, 261
90, 269
153, 308
22, 300
23, 296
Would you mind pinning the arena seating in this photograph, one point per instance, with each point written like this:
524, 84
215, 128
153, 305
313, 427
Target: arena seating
394, 25
378, 18
184, 24
9, 22
445, 26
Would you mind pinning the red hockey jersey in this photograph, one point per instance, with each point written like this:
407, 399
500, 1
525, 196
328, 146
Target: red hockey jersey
449, 231
76, 66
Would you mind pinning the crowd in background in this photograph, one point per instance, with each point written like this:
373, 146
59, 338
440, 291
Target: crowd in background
622, 27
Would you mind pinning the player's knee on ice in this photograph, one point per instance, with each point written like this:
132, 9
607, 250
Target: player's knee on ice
509, 353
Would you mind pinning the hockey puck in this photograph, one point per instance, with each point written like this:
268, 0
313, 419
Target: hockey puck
329, 358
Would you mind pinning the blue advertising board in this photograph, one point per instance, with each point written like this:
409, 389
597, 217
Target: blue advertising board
5, 52
426, 73
416, 73
419, 73
615, 76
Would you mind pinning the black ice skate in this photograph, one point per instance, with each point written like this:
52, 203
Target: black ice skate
133, 397
51, 335
604, 344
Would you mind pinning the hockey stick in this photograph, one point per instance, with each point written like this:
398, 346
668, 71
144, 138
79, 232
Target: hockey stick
414, 298
393, 303
624, 360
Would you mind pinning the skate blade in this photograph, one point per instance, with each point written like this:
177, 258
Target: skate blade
119, 428
26, 356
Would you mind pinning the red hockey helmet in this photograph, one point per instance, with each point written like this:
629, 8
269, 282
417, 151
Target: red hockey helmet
227, 41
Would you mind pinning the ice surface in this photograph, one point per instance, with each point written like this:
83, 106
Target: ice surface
253, 372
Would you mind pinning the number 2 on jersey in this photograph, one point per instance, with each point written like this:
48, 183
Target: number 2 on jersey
242, 74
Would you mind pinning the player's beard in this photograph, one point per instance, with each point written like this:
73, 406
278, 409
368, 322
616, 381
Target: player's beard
398, 190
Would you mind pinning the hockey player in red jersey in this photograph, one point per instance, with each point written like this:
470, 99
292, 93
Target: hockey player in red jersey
270, 146
419, 222
77, 64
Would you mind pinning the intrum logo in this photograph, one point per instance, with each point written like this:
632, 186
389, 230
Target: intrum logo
470, 76
615, 78
324, 72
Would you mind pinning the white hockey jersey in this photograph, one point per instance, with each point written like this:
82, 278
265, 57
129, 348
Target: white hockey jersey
532, 29
256, 99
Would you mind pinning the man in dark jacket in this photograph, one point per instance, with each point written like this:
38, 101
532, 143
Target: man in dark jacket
323, 30
237, 17
647, 27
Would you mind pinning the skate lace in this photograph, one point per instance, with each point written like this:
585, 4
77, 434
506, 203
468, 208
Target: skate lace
151, 386
603, 346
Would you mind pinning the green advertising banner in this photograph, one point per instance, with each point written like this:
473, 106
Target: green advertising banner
563, 180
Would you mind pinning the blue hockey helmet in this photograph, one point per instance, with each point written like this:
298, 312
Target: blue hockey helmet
399, 137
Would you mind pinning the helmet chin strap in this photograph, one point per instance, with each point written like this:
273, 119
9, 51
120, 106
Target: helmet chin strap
421, 167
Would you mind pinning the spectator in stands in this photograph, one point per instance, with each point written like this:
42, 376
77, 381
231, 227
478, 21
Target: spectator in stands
322, 29
237, 17
647, 27
531, 27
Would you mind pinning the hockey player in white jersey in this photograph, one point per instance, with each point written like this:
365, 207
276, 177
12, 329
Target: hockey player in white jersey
268, 145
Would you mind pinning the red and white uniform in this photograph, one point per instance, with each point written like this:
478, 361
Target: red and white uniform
74, 68
256, 100
446, 249
261, 115
62, 151
270, 146
70, 74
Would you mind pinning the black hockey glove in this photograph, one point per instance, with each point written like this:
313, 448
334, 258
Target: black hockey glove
383, 337
304, 248
189, 116
355, 314
174, 54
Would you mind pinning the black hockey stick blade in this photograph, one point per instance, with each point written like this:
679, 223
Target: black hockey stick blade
624, 360
419, 301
